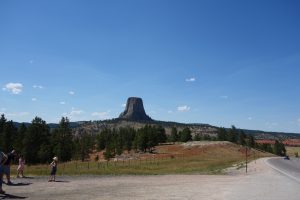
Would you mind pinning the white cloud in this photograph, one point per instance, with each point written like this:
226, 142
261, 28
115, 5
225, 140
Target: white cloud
183, 108
14, 88
192, 79
123, 105
101, 115
75, 115
34, 99
224, 97
38, 87
18, 114
62, 103
71, 93
76, 112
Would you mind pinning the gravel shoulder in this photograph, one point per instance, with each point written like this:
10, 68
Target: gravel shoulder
261, 182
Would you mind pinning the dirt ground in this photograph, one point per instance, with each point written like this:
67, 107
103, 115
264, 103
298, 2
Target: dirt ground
261, 183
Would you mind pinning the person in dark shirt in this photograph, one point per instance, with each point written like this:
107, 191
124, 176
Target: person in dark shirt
53, 169
6, 166
3, 159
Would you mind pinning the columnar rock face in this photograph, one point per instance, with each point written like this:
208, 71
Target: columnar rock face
135, 110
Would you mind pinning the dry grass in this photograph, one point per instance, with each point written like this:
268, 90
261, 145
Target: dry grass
292, 150
169, 159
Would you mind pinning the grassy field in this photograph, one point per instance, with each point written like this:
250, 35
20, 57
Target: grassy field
169, 159
292, 150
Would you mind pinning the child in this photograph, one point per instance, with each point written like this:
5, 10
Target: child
21, 167
53, 169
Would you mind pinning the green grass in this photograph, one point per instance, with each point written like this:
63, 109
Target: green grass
211, 161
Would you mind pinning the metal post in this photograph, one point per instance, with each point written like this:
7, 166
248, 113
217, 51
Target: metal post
246, 159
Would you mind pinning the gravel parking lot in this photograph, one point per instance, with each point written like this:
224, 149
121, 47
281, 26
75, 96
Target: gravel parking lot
262, 182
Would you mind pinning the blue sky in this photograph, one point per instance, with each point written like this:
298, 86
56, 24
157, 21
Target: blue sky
218, 62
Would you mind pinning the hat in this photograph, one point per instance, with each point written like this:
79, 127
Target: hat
55, 158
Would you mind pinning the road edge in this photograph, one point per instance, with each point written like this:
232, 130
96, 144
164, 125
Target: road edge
280, 171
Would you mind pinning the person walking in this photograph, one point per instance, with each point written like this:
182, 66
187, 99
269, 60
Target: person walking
6, 166
3, 159
20, 169
53, 169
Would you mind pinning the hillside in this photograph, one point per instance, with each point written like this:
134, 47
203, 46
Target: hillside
94, 127
97, 126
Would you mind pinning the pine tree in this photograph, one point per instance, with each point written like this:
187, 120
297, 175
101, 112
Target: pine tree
84, 144
174, 135
8, 136
222, 134
242, 138
2, 125
18, 143
185, 135
63, 140
36, 142
232, 135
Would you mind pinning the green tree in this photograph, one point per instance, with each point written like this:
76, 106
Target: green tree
84, 144
127, 135
242, 138
197, 137
174, 135
161, 134
100, 140
222, 134
108, 153
207, 137
18, 143
8, 136
232, 135
141, 140
62, 139
279, 148
2, 125
251, 141
185, 135
36, 141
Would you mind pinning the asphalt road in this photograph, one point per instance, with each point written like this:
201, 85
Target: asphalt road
262, 182
290, 168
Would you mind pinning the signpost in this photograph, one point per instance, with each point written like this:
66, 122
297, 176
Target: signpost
246, 159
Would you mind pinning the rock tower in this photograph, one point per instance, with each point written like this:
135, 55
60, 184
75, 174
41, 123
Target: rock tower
135, 110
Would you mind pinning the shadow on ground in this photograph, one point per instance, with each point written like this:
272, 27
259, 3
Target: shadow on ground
10, 196
20, 184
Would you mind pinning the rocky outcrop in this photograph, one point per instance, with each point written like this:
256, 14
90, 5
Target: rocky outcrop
135, 110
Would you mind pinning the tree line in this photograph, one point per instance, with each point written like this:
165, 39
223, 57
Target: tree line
239, 137
36, 142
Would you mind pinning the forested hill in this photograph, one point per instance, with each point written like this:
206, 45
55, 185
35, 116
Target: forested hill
96, 126
51, 125
272, 135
